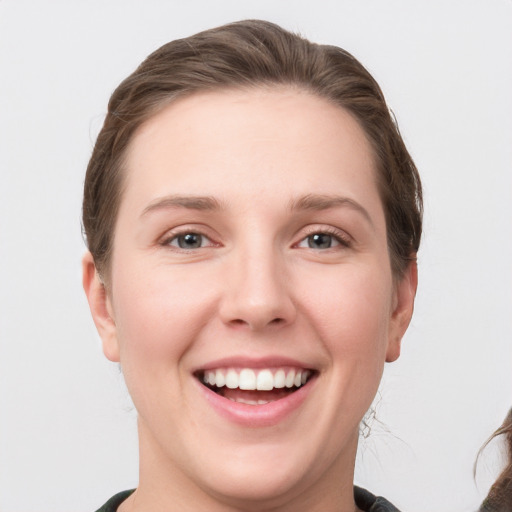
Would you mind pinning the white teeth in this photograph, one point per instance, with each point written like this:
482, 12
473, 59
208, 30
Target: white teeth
249, 402
261, 380
220, 379
211, 378
232, 379
279, 379
247, 379
265, 381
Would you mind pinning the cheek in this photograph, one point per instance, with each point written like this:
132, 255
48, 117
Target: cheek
349, 309
352, 310
352, 320
158, 313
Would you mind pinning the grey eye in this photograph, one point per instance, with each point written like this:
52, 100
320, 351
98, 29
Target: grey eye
320, 241
188, 241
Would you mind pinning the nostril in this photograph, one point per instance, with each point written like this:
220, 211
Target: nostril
239, 322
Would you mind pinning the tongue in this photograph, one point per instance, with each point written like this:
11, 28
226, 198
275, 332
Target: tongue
268, 396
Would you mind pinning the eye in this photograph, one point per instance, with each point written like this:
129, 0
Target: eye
189, 240
323, 240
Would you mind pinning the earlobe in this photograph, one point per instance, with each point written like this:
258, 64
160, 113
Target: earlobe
101, 307
403, 307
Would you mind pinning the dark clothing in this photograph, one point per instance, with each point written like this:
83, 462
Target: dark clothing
364, 500
369, 503
115, 501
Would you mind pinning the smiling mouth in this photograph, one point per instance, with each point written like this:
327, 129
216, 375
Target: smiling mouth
255, 386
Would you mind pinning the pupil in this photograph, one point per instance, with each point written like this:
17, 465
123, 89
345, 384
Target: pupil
320, 241
190, 241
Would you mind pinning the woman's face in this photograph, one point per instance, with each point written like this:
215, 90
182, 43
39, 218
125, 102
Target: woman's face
250, 251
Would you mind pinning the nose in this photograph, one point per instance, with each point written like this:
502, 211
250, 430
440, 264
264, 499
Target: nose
257, 292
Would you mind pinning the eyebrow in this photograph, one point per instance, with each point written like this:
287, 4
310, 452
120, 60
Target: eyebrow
201, 203
319, 202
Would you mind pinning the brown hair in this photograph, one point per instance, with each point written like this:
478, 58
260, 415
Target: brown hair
499, 498
240, 55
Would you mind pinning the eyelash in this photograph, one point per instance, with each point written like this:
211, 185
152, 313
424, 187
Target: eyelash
174, 237
339, 236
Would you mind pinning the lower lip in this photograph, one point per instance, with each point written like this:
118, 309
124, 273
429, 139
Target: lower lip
264, 415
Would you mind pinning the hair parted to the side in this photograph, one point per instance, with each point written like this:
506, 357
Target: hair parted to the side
250, 54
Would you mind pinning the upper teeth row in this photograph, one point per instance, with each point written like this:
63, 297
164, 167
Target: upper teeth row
262, 380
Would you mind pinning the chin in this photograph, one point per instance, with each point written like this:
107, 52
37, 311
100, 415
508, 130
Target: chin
264, 477
258, 487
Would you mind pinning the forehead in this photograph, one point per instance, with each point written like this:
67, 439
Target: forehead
268, 140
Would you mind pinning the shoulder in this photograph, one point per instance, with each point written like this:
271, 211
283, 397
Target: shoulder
114, 502
367, 502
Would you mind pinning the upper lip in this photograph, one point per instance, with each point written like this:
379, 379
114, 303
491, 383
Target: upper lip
254, 363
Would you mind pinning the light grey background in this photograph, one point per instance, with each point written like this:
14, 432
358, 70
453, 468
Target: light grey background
67, 429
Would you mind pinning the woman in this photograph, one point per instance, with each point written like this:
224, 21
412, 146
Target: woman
252, 217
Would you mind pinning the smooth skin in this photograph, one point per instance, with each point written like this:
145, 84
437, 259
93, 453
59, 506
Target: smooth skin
250, 226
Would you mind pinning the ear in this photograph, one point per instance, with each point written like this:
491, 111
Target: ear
403, 307
101, 307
